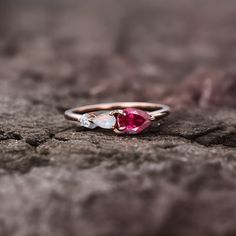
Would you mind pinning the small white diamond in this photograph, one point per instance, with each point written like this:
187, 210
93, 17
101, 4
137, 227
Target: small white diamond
105, 121
85, 122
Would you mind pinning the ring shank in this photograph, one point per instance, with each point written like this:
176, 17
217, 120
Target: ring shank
154, 110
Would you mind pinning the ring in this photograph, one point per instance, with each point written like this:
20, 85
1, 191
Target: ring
122, 118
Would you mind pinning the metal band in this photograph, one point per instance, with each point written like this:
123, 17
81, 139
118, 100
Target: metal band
153, 109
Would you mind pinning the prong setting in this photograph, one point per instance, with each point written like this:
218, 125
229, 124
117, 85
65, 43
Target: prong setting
116, 112
152, 118
117, 131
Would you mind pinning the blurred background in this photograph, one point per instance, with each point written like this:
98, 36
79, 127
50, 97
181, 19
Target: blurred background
110, 50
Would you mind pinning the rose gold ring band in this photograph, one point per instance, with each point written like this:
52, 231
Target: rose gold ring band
122, 117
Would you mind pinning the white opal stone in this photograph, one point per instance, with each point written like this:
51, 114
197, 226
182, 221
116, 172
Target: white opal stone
85, 122
105, 121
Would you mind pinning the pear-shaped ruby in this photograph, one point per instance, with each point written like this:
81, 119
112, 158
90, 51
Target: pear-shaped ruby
133, 121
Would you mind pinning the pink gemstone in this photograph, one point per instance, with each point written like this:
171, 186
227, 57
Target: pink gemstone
133, 121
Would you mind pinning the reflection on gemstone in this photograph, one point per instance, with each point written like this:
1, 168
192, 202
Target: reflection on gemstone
85, 122
105, 121
133, 121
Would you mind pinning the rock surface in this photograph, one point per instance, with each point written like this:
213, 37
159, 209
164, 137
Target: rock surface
58, 179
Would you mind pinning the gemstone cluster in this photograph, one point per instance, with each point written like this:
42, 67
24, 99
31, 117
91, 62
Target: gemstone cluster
126, 121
